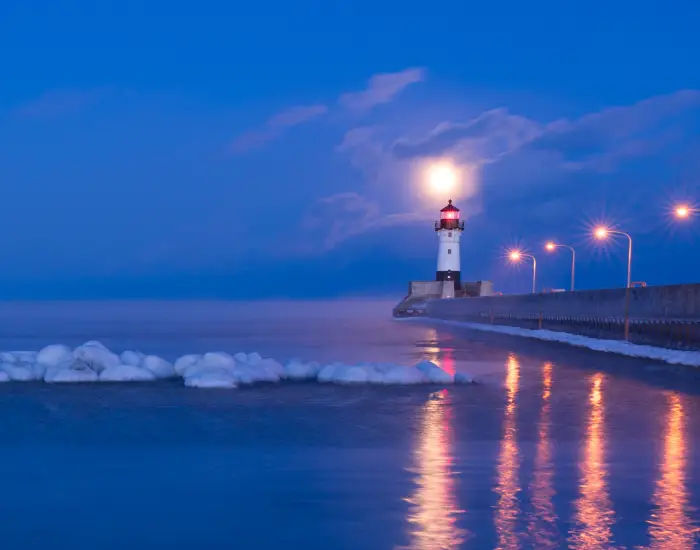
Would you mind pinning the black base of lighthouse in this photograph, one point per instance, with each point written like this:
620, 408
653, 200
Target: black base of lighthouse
448, 276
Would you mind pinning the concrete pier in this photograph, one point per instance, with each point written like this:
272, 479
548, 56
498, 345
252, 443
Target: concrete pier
666, 316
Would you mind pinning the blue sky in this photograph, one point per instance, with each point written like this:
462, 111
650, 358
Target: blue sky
226, 153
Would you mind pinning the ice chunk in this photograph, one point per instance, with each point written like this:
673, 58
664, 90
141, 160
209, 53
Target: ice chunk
54, 354
212, 378
126, 373
18, 357
298, 370
344, 374
254, 358
434, 373
383, 373
96, 356
133, 358
352, 375
78, 371
186, 361
327, 372
269, 369
264, 370
400, 374
158, 366
218, 359
20, 372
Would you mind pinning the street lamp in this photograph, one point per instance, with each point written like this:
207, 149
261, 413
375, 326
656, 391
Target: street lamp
684, 211
517, 255
552, 246
601, 233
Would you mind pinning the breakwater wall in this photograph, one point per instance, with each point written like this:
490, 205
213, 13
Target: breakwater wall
666, 316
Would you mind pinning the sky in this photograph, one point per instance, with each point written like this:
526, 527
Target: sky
215, 151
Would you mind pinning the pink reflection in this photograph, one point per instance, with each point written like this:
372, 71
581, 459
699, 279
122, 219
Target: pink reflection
542, 526
507, 485
594, 515
434, 511
671, 524
442, 356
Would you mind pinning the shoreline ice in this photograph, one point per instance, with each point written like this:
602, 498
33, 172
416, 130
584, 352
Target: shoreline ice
94, 362
620, 347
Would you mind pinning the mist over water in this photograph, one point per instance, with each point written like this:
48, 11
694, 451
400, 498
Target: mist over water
554, 447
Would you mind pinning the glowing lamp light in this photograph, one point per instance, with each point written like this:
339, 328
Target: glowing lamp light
550, 246
601, 233
514, 255
682, 211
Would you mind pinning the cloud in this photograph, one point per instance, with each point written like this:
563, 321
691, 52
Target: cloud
54, 103
479, 140
596, 141
345, 215
381, 88
276, 125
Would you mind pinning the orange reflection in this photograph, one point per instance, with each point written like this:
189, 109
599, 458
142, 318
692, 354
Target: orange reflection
671, 524
434, 510
507, 486
542, 522
594, 515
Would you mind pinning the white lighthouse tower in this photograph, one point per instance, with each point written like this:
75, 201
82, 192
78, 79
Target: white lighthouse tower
449, 230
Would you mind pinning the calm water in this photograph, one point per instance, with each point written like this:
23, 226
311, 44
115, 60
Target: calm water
555, 447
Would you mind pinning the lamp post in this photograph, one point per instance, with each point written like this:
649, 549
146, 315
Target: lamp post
602, 233
552, 246
516, 255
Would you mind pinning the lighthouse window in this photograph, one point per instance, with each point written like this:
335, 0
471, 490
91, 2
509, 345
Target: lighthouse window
449, 251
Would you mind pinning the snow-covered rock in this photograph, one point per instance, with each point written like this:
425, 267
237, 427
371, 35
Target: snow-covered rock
296, 369
220, 369
186, 361
126, 373
403, 375
133, 358
92, 361
96, 356
212, 377
384, 373
434, 373
21, 366
78, 371
54, 354
158, 366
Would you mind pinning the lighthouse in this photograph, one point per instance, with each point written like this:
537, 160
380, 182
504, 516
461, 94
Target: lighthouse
449, 230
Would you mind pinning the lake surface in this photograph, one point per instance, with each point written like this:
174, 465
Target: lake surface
554, 447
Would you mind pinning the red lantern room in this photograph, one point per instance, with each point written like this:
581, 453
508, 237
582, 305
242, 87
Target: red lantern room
449, 218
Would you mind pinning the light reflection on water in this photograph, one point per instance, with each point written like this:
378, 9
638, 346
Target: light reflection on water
443, 356
507, 487
434, 510
671, 524
594, 515
542, 527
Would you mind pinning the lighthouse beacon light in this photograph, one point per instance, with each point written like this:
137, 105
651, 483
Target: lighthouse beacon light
449, 230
